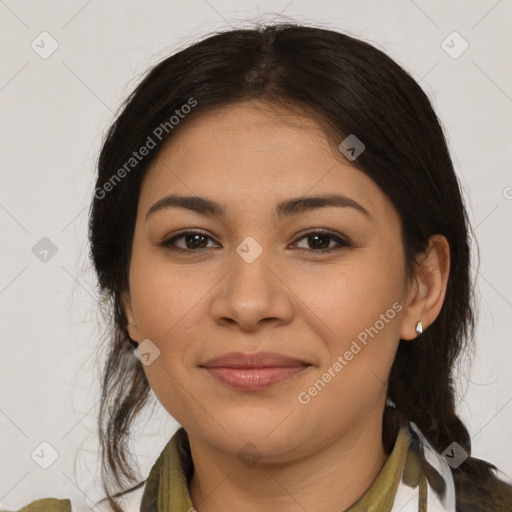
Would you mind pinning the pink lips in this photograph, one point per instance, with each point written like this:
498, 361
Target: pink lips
253, 371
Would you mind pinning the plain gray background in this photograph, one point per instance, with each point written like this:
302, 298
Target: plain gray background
54, 113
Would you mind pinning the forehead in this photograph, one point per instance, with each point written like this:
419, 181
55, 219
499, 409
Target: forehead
253, 129
254, 152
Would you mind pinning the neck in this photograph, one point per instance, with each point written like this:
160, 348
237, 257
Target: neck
331, 479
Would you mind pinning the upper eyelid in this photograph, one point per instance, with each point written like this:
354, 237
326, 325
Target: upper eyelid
338, 238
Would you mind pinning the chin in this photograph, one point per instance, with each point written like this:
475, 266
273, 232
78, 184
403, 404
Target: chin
269, 436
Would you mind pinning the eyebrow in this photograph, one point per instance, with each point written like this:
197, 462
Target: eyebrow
293, 206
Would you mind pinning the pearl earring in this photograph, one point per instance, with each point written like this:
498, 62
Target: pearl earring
419, 328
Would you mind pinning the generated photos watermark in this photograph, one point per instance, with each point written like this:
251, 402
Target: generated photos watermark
158, 133
304, 397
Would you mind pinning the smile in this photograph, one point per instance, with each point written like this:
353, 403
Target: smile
254, 371
254, 378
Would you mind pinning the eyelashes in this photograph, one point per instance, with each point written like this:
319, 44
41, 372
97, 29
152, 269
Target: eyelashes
320, 237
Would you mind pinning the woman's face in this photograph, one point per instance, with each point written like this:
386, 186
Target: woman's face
258, 279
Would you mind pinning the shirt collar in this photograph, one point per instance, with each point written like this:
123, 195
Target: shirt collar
167, 486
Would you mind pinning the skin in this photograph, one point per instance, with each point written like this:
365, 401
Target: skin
322, 455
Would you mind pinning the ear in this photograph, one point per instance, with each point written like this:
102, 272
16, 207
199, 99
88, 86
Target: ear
127, 308
427, 288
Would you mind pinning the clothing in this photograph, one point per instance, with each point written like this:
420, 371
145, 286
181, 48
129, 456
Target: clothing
401, 485
414, 478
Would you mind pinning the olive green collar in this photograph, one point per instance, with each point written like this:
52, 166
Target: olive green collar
167, 487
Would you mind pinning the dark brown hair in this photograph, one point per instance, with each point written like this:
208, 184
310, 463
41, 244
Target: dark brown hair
352, 88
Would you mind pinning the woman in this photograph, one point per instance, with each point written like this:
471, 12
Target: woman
280, 231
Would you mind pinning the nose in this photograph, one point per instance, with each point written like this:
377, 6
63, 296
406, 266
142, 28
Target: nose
252, 294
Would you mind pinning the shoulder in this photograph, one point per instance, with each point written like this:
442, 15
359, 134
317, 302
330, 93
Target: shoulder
46, 505
481, 491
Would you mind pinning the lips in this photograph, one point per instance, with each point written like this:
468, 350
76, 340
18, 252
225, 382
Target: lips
253, 371
256, 360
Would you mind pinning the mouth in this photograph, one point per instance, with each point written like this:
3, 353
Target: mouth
254, 371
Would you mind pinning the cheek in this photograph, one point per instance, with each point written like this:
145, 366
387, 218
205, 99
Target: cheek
354, 297
163, 296
362, 307
164, 299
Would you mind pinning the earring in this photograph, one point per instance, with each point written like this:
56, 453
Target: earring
419, 328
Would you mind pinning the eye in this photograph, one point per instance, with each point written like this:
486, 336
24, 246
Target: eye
320, 240
193, 240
